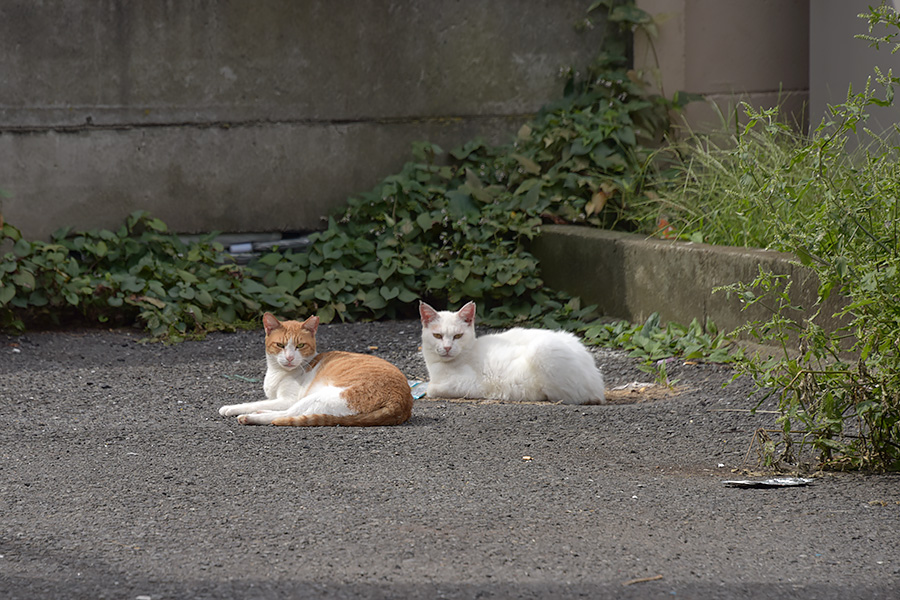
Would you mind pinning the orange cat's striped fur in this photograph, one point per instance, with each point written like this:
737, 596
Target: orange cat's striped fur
304, 388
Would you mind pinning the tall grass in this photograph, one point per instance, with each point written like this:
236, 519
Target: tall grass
837, 211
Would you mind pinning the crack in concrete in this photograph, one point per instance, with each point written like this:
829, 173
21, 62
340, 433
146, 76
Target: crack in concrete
226, 124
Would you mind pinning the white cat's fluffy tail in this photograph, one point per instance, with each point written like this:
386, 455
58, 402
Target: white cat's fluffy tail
575, 377
540, 364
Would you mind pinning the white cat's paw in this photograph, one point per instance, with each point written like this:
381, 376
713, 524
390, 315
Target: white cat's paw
229, 410
256, 418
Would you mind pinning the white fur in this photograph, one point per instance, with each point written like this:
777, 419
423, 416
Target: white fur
290, 392
518, 365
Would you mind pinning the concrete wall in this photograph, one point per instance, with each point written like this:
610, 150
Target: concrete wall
729, 51
253, 116
838, 60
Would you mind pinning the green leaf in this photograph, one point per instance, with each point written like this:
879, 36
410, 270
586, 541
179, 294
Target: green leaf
290, 281
321, 292
132, 284
374, 300
366, 278
425, 221
24, 279
6, 293
252, 288
226, 313
271, 259
335, 285
187, 277
326, 313
204, 298
460, 204
389, 293
406, 296
385, 271
437, 281
528, 165
22, 248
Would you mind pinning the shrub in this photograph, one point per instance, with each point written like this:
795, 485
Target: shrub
139, 273
837, 212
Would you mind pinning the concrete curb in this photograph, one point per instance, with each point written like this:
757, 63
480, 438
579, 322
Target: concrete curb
631, 276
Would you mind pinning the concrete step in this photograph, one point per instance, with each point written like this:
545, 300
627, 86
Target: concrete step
631, 276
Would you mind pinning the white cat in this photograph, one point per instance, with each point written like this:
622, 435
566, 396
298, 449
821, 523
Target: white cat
519, 365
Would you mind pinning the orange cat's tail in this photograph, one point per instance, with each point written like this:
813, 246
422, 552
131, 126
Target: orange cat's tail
386, 415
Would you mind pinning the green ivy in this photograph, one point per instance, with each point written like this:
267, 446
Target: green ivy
651, 341
140, 273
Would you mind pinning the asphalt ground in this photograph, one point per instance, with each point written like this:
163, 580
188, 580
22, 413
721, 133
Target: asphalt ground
121, 481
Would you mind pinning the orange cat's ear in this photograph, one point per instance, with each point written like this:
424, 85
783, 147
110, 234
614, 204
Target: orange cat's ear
467, 313
270, 323
427, 313
311, 324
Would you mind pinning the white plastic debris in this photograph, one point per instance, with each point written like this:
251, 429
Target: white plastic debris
419, 389
768, 483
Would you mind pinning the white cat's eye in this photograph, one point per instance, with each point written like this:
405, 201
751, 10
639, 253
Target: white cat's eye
457, 336
438, 336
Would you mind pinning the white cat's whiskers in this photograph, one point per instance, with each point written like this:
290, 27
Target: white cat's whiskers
517, 365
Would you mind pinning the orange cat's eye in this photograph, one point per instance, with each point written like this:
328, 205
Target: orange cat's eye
280, 345
301, 345
438, 336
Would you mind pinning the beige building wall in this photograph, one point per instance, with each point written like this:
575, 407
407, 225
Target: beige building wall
730, 51
839, 60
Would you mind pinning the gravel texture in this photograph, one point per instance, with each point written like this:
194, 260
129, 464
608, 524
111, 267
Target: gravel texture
121, 481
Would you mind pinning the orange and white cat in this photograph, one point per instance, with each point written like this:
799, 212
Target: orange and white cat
304, 388
521, 365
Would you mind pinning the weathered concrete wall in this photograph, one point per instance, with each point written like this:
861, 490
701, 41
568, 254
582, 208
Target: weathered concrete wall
838, 60
729, 51
630, 277
249, 116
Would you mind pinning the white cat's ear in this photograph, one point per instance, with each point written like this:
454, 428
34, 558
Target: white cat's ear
467, 313
311, 324
427, 313
270, 323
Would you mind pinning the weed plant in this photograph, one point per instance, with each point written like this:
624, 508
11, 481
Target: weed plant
728, 189
139, 273
837, 211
